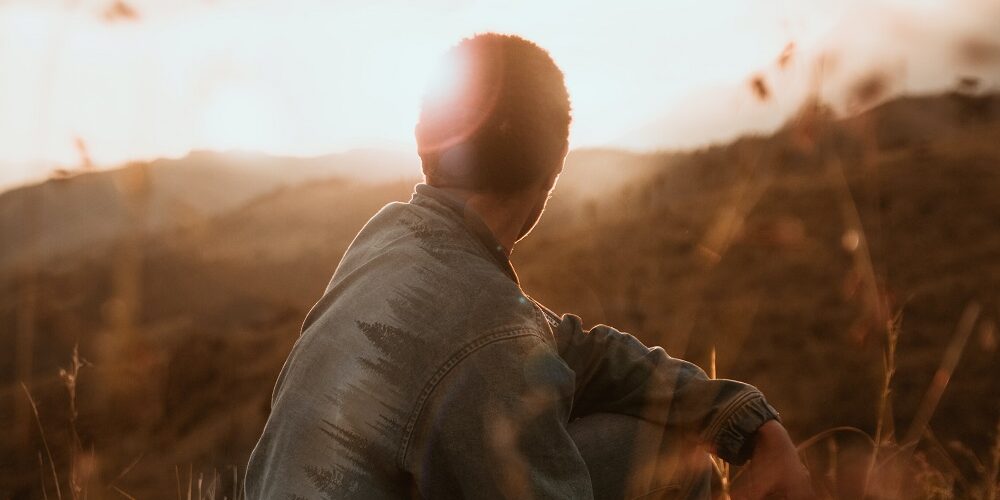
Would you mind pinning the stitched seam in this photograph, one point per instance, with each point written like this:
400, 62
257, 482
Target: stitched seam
548, 318
504, 333
543, 322
726, 414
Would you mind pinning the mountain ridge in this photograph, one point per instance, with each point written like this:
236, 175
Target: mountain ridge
777, 259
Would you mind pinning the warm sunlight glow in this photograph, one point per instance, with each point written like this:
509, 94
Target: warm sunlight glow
241, 118
305, 78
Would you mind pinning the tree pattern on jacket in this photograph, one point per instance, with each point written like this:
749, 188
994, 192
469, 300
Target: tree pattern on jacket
388, 360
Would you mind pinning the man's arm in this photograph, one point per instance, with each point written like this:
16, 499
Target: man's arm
616, 373
494, 426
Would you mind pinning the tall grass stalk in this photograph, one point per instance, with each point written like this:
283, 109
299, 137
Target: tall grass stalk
884, 427
721, 466
943, 374
45, 442
69, 378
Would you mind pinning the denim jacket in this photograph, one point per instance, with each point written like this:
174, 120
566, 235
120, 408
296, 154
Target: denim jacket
425, 371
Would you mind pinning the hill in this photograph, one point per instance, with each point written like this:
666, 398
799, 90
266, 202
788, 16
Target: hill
787, 255
41, 224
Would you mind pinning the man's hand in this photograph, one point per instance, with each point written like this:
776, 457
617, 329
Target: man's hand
774, 470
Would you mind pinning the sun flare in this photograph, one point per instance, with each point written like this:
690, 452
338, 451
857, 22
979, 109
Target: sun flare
303, 79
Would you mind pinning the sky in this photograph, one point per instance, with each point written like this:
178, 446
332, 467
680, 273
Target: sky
110, 82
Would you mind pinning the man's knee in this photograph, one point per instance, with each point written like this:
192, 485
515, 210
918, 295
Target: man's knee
632, 458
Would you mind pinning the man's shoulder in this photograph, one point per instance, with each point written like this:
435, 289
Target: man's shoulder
410, 254
413, 239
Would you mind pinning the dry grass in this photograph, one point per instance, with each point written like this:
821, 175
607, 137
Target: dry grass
790, 258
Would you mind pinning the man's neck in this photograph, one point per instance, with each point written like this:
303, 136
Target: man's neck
505, 216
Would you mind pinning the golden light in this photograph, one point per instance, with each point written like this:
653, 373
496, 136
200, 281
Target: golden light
243, 117
307, 78
298, 79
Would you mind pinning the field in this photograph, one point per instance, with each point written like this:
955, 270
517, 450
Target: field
849, 268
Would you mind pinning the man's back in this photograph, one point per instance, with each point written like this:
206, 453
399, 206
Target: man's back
418, 290
425, 370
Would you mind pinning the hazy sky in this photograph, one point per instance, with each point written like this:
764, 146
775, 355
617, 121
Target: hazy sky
159, 78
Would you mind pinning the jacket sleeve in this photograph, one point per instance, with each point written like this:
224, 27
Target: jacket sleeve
494, 426
616, 373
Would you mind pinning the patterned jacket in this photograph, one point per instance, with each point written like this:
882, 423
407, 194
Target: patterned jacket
425, 371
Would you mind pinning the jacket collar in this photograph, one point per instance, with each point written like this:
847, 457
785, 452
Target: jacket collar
425, 194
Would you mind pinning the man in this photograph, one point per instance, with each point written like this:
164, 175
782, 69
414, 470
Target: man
425, 370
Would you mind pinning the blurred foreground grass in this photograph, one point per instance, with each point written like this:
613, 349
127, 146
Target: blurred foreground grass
848, 268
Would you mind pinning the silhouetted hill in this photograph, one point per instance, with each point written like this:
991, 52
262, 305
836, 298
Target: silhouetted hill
787, 254
85, 212
764, 250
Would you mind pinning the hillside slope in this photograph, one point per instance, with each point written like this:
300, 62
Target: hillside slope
41, 224
785, 254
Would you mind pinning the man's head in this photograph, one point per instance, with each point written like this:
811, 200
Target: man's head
497, 119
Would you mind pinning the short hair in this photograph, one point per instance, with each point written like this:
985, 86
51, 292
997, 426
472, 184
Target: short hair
502, 121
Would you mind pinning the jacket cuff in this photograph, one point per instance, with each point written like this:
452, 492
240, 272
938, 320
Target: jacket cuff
735, 439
